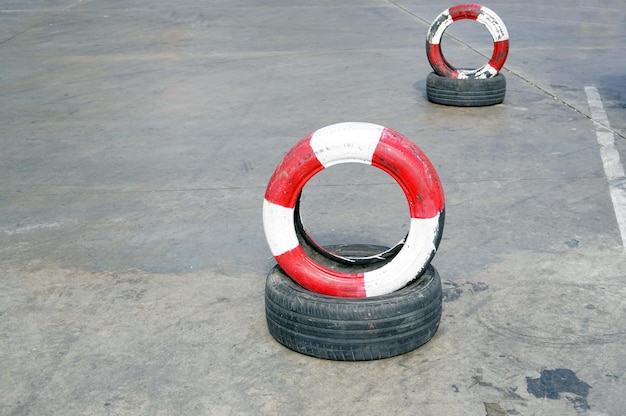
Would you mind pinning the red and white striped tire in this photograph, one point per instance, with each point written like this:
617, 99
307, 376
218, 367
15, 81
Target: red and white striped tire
481, 14
355, 143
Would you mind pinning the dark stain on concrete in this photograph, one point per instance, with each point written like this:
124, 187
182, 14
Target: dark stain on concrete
452, 291
554, 382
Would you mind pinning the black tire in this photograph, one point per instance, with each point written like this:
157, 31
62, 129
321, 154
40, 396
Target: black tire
353, 329
465, 92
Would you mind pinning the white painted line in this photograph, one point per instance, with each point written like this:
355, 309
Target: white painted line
613, 168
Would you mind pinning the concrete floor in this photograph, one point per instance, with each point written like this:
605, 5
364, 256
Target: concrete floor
137, 140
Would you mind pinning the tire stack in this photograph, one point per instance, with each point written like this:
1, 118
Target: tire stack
361, 302
353, 302
466, 87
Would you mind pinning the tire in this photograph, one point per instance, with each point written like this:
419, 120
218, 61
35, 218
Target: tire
481, 14
465, 92
352, 329
378, 147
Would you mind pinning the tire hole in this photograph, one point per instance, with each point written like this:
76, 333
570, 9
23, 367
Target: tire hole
354, 203
464, 41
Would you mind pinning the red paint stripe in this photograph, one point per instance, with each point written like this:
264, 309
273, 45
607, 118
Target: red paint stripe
410, 167
292, 173
500, 52
440, 65
319, 279
465, 11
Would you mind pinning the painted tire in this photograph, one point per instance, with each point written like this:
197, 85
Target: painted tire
482, 15
355, 143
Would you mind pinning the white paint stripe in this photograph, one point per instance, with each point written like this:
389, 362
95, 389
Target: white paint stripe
494, 24
595, 105
419, 244
346, 142
613, 168
485, 71
280, 231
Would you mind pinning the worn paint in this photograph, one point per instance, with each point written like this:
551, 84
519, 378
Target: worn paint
482, 15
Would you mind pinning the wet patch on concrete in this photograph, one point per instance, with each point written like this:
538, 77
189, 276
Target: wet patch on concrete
552, 383
452, 290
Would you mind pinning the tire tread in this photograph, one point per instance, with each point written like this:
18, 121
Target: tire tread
465, 92
353, 329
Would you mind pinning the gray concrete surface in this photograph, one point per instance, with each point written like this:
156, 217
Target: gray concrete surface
137, 140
